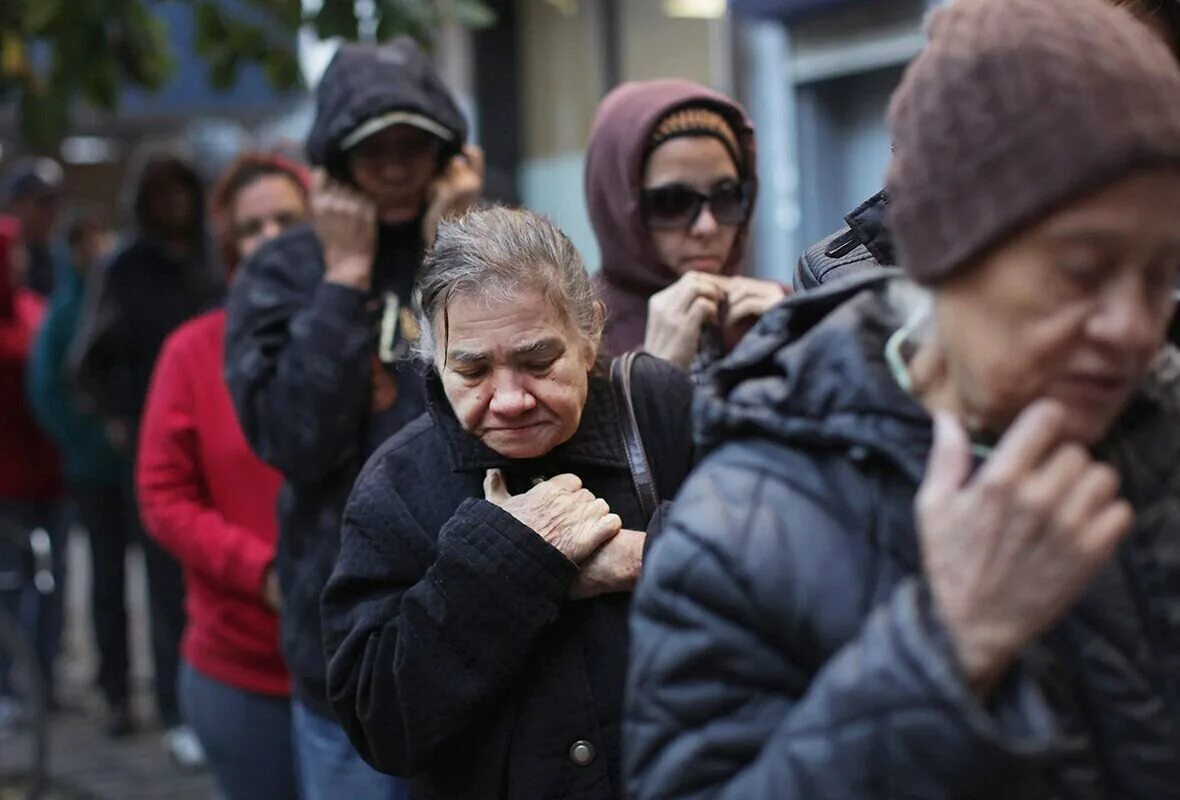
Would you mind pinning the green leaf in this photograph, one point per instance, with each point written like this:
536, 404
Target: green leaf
282, 70
44, 117
336, 18
40, 15
473, 14
223, 71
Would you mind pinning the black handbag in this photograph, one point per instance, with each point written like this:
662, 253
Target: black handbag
641, 474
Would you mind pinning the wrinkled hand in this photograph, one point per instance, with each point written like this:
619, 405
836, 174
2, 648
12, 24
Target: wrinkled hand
614, 567
676, 314
564, 514
346, 223
750, 298
455, 191
1008, 551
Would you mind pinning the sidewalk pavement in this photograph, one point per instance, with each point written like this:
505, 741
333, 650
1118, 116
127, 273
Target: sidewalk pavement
85, 764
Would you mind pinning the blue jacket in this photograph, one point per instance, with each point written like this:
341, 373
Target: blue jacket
89, 458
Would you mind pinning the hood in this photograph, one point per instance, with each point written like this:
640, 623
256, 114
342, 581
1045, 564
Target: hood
9, 234
614, 176
160, 167
813, 371
365, 81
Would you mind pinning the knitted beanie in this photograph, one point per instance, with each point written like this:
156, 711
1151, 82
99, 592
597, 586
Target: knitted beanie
1015, 108
696, 121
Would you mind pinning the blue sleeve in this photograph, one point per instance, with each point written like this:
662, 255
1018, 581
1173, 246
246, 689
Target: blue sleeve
49, 391
297, 362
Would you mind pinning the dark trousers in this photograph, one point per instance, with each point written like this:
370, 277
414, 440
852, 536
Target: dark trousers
111, 516
40, 614
246, 737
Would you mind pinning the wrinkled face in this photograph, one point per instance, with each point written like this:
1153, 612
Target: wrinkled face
263, 209
515, 373
1073, 309
394, 168
702, 164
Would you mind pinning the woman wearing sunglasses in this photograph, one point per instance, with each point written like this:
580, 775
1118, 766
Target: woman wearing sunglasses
670, 185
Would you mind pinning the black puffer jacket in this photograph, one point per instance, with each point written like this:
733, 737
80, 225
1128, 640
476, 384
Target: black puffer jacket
784, 640
455, 655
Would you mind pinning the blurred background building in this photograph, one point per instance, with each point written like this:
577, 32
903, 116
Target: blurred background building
815, 74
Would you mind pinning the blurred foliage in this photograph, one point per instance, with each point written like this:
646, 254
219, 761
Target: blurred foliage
54, 53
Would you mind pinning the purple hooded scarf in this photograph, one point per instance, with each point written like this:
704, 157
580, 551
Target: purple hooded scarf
615, 160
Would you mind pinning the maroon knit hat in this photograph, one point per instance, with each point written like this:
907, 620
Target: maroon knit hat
1014, 108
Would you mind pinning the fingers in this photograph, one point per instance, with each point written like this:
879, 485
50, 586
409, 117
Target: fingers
566, 481
1046, 488
475, 158
702, 310
1100, 538
949, 463
1036, 432
1088, 494
495, 489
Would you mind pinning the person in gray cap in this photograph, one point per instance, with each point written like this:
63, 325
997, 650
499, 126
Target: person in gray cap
935, 550
32, 193
318, 336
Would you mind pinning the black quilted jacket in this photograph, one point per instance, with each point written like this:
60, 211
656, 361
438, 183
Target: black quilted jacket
784, 644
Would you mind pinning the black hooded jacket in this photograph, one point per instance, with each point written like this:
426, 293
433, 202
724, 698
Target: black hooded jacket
302, 355
783, 638
136, 299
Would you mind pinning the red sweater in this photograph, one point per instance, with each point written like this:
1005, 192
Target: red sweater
211, 503
29, 469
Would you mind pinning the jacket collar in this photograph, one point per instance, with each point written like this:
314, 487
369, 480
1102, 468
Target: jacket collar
597, 441
869, 224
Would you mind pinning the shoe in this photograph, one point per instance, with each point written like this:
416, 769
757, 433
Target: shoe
119, 722
184, 748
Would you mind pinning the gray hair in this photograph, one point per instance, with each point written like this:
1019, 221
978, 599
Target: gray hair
493, 254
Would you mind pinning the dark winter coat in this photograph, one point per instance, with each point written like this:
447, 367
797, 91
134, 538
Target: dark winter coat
134, 301
615, 157
302, 355
785, 641
456, 655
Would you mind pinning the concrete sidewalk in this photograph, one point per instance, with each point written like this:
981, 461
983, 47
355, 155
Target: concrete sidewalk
84, 762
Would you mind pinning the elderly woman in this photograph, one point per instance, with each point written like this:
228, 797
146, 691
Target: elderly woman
670, 185
907, 569
476, 622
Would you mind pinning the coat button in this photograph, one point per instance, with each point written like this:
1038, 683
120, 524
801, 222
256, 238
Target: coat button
582, 753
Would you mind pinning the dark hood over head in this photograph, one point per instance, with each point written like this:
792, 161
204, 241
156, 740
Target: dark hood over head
615, 158
157, 169
364, 81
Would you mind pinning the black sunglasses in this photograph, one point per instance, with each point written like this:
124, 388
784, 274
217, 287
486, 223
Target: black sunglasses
677, 205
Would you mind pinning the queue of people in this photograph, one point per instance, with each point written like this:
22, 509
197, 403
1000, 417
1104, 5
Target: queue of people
451, 517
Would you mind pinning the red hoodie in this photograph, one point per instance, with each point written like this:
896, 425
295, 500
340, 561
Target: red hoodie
29, 469
211, 503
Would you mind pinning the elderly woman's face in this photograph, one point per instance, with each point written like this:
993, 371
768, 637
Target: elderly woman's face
1073, 309
516, 373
